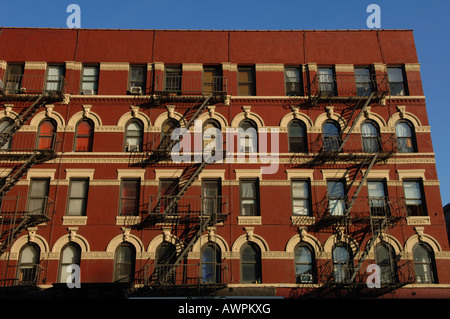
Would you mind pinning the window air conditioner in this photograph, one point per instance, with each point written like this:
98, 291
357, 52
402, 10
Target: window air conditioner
88, 92
136, 90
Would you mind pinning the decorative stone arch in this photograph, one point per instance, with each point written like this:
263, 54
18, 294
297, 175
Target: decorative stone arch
421, 238
370, 116
322, 118
158, 240
125, 118
243, 239
39, 117
331, 242
26, 239
296, 116
8, 114
66, 239
247, 115
307, 239
403, 116
215, 116
388, 239
215, 239
77, 117
120, 239
169, 115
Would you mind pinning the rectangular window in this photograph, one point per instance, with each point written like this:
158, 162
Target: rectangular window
77, 199
293, 83
14, 78
397, 83
363, 81
173, 79
137, 79
377, 198
249, 191
89, 84
300, 198
54, 80
246, 81
212, 79
326, 80
38, 196
129, 197
168, 189
336, 198
414, 198
211, 196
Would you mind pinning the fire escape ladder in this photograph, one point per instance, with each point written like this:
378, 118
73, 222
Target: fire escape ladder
17, 172
362, 182
355, 121
188, 242
29, 220
377, 228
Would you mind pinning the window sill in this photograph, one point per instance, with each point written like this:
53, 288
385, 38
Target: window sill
418, 220
74, 220
127, 220
302, 220
249, 220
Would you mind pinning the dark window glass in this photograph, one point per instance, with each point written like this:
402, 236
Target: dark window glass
297, 137
125, 258
250, 263
129, 198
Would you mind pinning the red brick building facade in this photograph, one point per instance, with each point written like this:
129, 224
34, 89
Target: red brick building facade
88, 179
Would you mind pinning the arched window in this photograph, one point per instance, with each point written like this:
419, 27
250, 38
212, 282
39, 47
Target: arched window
297, 137
46, 134
84, 136
5, 138
70, 255
134, 131
125, 258
250, 263
385, 259
212, 136
248, 136
166, 256
424, 264
304, 264
370, 137
405, 137
167, 128
331, 137
211, 263
28, 268
342, 263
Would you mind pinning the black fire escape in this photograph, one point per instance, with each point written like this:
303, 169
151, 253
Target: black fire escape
188, 217
362, 218
20, 150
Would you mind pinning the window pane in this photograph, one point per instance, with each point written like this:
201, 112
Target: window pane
29, 255
412, 190
395, 75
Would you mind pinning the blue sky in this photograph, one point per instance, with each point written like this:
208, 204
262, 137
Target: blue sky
429, 20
